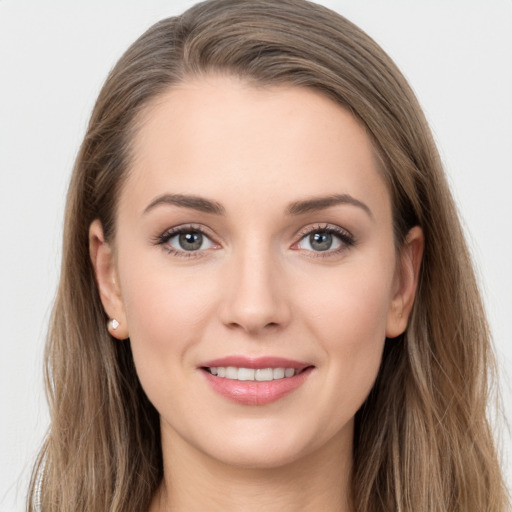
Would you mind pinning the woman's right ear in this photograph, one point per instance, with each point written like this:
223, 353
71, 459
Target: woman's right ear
105, 269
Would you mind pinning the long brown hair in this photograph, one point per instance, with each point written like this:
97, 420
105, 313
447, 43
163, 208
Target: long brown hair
422, 440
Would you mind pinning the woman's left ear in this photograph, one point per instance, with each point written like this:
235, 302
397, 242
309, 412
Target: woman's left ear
406, 283
105, 270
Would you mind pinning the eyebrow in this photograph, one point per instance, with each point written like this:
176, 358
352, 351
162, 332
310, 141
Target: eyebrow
296, 208
321, 203
187, 201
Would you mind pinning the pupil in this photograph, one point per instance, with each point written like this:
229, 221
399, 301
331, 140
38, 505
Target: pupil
320, 241
191, 241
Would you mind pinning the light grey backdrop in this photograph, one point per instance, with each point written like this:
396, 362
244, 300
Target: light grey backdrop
54, 56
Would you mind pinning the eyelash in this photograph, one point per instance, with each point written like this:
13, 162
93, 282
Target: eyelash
346, 238
164, 238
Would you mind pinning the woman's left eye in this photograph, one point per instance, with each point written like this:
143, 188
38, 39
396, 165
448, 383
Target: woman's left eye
325, 240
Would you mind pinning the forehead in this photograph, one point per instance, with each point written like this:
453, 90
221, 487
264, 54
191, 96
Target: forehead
222, 138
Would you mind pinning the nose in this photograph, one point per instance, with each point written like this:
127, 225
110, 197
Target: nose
255, 297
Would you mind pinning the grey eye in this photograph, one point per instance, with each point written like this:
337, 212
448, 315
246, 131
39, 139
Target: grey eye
191, 241
320, 241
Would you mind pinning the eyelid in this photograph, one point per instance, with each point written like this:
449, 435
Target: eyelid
346, 238
170, 233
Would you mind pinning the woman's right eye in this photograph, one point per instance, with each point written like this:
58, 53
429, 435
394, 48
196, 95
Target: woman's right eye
186, 240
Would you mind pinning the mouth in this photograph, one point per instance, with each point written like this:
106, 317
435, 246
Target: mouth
255, 381
252, 374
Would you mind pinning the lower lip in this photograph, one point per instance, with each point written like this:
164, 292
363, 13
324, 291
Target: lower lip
256, 392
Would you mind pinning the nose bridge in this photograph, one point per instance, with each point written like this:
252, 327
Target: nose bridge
255, 299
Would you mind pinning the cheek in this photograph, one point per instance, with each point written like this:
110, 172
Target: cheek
349, 321
167, 310
354, 332
350, 308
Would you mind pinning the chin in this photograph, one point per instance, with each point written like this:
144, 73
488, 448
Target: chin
258, 447
257, 458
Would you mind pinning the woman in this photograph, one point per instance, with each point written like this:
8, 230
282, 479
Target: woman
266, 298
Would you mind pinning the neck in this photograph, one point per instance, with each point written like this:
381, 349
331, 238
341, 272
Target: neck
193, 481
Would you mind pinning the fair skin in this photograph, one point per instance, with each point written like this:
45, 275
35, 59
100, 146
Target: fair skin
258, 269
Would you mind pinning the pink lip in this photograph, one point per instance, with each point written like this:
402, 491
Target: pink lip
255, 392
256, 362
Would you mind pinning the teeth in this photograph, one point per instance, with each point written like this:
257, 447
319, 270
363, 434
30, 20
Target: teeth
264, 374
279, 373
259, 374
245, 373
289, 372
231, 372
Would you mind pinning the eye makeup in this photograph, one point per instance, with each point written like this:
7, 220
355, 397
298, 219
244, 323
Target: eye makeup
324, 240
193, 241
186, 241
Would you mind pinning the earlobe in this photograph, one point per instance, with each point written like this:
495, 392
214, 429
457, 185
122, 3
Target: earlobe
104, 264
407, 282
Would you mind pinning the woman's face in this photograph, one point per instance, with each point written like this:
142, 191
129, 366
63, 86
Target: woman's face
254, 241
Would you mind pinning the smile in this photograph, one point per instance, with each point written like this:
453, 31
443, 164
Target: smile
259, 381
252, 374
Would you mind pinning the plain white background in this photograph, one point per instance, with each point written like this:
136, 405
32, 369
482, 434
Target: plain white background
54, 56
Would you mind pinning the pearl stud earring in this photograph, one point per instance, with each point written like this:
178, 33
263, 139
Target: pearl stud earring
113, 324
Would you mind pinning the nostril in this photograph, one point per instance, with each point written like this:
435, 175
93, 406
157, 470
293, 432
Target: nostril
253, 327
253, 307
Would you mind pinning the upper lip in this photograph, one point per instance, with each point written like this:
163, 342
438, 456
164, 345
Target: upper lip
255, 362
